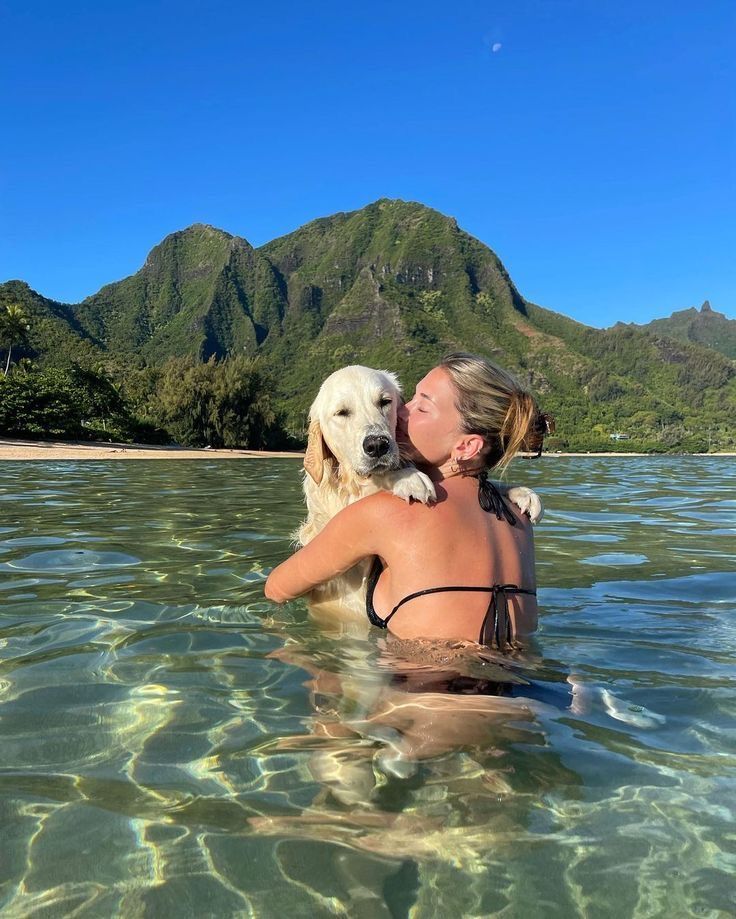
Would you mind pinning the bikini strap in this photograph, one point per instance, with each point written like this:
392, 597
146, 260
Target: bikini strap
494, 591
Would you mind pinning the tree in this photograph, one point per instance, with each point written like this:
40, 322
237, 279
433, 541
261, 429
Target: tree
221, 403
65, 402
13, 328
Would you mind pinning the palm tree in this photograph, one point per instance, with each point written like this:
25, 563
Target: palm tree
13, 328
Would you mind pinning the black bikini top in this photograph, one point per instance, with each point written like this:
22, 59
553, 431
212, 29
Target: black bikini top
496, 630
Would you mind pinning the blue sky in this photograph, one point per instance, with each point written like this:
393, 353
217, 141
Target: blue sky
591, 144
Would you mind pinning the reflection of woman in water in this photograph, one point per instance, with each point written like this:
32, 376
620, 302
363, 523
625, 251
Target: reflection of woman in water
464, 567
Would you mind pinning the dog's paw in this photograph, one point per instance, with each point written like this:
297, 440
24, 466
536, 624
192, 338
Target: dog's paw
412, 485
527, 501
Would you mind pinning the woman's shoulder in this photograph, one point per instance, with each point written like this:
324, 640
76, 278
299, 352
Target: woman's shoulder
367, 523
384, 510
384, 503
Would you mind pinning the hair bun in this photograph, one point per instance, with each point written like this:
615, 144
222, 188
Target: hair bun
542, 425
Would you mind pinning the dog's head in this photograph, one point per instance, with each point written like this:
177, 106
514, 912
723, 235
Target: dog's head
352, 423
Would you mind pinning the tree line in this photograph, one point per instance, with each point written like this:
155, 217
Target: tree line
234, 402
226, 403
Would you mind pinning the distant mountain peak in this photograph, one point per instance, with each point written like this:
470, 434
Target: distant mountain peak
207, 229
197, 231
704, 326
201, 236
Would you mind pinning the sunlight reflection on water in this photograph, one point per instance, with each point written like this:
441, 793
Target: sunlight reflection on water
210, 754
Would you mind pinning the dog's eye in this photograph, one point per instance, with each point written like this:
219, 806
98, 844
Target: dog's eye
384, 401
342, 413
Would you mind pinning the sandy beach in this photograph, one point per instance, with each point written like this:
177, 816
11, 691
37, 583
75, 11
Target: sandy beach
18, 449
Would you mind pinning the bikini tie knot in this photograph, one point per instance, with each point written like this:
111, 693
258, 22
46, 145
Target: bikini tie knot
490, 499
496, 631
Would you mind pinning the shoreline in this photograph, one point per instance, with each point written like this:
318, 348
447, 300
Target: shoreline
20, 449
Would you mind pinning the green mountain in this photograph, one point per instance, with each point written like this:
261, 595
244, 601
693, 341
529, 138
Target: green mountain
54, 327
394, 284
704, 327
201, 292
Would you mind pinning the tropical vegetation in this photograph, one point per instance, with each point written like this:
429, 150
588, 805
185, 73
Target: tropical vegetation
13, 329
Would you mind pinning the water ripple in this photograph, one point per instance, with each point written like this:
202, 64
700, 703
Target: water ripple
209, 754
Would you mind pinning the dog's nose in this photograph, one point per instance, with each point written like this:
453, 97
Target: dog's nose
375, 445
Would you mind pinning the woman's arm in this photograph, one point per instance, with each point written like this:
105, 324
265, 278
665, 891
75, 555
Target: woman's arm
349, 537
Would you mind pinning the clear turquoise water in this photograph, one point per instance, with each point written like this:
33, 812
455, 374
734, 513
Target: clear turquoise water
170, 744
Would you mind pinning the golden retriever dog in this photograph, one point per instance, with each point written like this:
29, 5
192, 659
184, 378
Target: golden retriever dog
352, 452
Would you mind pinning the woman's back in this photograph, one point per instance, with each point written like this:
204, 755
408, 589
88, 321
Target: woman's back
459, 569
454, 543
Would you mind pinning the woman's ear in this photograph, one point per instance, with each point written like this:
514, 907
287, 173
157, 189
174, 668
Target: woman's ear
468, 447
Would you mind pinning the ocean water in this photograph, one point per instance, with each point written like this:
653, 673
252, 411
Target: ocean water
173, 745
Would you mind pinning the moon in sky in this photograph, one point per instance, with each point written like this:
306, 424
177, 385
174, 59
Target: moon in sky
496, 46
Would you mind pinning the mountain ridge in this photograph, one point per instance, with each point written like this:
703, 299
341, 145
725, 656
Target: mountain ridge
394, 284
704, 326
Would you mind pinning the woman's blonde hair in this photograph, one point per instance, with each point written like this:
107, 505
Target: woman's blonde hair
492, 403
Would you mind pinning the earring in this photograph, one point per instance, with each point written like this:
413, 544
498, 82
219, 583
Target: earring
454, 467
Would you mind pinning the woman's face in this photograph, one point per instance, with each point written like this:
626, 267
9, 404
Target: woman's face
430, 422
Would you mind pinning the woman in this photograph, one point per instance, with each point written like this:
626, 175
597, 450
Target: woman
462, 568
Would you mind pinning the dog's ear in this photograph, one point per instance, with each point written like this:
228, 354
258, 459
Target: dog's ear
393, 380
316, 453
